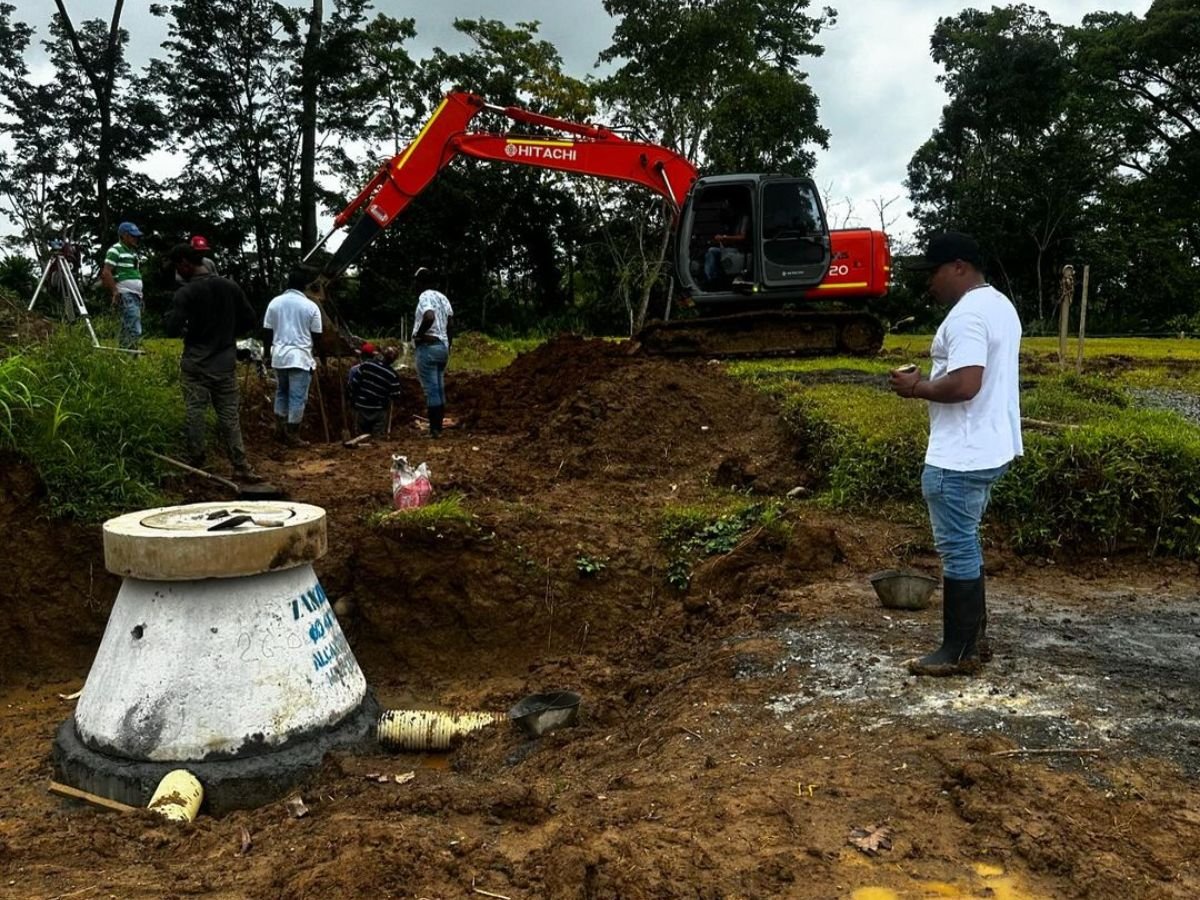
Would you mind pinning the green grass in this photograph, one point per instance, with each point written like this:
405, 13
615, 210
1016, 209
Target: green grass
1116, 476
1093, 348
690, 534
84, 418
449, 509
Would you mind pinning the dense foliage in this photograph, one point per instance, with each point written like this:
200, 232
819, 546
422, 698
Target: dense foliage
84, 419
1071, 146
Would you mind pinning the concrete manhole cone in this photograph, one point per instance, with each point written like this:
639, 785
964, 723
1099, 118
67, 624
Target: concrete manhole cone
222, 655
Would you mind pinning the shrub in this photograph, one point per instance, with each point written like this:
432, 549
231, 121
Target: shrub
691, 534
867, 443
83, 419
1125, 481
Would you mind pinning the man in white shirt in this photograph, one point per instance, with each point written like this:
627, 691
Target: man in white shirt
432, 325
974, 434
291, 321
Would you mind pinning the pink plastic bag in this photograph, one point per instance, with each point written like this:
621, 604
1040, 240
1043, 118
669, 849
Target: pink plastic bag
411, 486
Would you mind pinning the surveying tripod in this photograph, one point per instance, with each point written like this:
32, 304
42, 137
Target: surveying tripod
60, 276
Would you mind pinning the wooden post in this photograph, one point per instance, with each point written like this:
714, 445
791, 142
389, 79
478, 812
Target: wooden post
1087, 270
341, 385
321, 402
1065, 293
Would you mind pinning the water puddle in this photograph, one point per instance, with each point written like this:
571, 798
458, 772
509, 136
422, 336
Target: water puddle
984, 881
1118, 676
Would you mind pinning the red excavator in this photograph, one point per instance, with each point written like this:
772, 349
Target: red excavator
753, 253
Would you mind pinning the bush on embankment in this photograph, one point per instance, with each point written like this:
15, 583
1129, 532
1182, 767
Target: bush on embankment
1101, 477
83, 418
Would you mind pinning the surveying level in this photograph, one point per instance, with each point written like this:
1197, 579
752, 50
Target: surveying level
59, 276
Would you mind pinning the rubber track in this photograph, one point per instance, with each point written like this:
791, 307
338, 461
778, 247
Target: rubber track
765, 334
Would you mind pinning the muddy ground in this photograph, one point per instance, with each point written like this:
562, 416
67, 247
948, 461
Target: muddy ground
731, 739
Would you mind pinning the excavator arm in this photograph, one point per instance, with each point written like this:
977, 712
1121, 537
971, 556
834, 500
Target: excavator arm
583, 150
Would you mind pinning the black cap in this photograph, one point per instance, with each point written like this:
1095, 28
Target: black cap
948, 247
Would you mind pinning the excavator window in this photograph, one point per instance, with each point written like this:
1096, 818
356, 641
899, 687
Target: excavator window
722, 237
793, 229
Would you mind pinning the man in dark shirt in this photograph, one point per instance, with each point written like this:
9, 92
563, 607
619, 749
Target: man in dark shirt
372, 387
210, 312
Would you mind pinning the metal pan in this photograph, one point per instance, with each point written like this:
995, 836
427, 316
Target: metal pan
245, 492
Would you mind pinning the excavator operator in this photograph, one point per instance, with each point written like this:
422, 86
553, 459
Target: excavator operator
736, 230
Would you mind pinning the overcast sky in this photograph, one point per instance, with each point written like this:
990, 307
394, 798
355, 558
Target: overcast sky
876, 83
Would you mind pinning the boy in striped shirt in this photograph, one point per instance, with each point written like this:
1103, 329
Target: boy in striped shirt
373, 385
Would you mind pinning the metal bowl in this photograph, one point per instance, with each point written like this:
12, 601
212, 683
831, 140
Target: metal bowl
904, 589
538, 714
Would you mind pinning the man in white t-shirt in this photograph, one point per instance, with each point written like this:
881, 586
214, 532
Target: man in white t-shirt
974, 433
431, 339
291, 321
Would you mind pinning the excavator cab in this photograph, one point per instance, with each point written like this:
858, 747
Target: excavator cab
752, 237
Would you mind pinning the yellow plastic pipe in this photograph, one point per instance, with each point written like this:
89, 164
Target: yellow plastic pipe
178, 796
427, 729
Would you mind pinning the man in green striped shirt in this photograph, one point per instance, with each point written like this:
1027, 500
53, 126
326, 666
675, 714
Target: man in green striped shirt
123, 278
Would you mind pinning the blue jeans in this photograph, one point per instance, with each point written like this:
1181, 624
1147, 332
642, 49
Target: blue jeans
431, 369
957, 502
712, 263
291, 393
131, 320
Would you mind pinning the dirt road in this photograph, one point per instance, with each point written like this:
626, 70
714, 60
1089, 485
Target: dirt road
728, 746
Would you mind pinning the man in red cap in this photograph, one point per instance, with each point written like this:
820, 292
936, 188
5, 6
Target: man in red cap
372, 387
209, 313
974, 435
199, 243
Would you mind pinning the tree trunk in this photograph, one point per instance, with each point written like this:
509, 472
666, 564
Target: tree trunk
308, 130
102, 87
653, 270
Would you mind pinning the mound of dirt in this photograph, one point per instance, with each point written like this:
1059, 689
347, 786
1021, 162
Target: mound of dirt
588, 407
57, 591
520, 397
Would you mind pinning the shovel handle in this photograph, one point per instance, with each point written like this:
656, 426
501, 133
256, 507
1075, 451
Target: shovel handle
195, 471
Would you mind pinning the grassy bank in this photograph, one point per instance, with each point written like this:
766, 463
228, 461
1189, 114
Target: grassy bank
1101, 474
84, 418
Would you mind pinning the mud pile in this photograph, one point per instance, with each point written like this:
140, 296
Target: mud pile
590, 409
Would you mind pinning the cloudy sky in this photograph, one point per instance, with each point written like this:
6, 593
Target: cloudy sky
877, 85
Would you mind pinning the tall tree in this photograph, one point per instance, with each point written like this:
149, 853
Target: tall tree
719, 81
705, 76
1147, 73
230, 84
309, 82
510, 271
26, 169
101, 74
1011, 159
57, 175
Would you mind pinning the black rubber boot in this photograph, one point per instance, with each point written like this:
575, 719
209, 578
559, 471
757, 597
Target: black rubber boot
281, 429
982, 643
293, 435
246, 475
962, 613
435, 420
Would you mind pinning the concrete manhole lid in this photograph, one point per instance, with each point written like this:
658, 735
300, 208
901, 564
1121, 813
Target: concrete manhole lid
201, 517
214, 540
